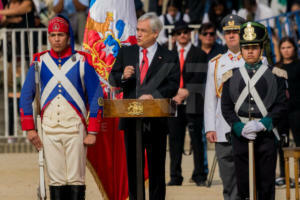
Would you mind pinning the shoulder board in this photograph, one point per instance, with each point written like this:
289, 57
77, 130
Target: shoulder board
87, 57
36, 56
215, 58
280, 72
227, 75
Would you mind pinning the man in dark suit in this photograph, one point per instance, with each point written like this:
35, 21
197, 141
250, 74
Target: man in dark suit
190, 101
146, 71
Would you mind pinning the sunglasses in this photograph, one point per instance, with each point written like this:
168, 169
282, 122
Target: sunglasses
180, 32
209, 33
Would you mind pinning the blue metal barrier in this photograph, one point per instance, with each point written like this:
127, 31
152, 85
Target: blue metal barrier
286, 24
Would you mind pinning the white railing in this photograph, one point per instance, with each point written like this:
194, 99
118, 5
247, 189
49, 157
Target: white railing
18, 40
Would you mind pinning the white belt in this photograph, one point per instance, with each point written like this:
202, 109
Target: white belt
246, 119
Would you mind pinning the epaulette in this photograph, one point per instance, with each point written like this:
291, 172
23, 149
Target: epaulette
227, 75
215, 58
87, 57
36, 56
280, 72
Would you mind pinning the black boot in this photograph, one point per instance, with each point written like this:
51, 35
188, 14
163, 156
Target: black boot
57, 192
76, 192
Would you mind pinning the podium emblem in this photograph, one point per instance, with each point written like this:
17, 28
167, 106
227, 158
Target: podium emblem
135, 108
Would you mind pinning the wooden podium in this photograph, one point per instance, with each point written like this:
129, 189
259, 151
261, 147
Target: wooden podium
138, 109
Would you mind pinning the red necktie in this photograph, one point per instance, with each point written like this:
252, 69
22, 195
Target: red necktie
181, 62
144, 66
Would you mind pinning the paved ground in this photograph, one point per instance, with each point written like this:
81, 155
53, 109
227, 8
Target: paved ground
19, 179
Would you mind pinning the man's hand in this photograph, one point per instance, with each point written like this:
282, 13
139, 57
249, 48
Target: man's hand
34, 138
146, 96
89, 140
177, 99
211, 136
182, 94
128, 72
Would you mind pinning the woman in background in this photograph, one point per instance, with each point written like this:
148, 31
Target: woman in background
290, 65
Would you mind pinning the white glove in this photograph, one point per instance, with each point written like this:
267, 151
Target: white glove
251, 128
249, 136
254, 126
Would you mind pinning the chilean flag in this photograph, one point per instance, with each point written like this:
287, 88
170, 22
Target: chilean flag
110, 24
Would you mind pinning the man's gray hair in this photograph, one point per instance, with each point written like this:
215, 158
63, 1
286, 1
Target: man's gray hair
155, 22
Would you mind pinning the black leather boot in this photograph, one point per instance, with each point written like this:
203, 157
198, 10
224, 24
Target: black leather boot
57, 192
76, 192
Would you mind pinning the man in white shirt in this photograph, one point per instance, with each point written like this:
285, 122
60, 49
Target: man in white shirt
254, 11
173, 15
216, 127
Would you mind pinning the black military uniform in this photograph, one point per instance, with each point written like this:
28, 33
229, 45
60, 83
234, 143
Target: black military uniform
253, 100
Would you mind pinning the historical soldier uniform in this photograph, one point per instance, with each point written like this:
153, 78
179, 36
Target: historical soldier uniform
213, 118
252, 101
71, 94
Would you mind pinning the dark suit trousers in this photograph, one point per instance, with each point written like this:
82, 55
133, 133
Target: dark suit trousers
154, 142
265, 152
177, 127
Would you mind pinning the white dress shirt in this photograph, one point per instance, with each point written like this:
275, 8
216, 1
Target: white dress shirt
162, 38
186, 49
150, 53
262, 12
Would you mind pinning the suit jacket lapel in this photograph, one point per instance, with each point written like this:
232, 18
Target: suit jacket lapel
155, 64
188, 56
135, 57
136, 62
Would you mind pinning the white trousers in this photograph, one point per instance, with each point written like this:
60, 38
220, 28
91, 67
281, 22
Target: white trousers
65, 156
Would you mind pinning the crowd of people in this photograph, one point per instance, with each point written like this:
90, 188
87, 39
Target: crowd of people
35, 13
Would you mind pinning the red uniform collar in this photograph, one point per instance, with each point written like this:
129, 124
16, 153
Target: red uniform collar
65, 53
